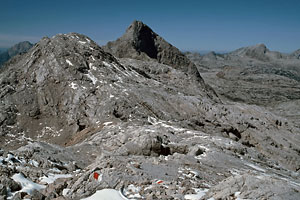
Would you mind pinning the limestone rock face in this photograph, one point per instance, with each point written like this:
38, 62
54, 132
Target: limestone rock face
43, 91
74, 120
68, 84
254, 75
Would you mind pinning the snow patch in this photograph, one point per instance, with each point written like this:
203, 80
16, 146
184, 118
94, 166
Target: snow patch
52, 177
106, 64
34, 163
106, 194
121, 71
256, 167
74, 86
237, 195
27, 185
92, 77
199, 194
55, 170
81, 42
65, 191
69, 62
107, 123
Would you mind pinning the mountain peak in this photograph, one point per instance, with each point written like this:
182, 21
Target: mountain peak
135, 25
256, 52
262, 48
141, 42
261, 45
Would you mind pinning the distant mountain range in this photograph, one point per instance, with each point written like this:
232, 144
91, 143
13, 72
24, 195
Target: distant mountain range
254, 75
6, 54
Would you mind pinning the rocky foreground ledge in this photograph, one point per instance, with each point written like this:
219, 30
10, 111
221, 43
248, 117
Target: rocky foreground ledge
155, 161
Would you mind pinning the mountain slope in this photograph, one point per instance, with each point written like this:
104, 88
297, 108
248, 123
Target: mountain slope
19, 48
140, 42
68, 84
255, 75
144, 128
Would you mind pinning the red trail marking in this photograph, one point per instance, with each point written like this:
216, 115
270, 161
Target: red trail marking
96, 175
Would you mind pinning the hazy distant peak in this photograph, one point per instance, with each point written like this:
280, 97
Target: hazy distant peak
256, 52
19, 48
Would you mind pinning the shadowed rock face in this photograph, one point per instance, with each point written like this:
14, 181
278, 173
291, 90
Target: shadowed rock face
143, 39
140, 42
19, 48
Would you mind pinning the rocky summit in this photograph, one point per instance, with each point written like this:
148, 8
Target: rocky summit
135, 120
140, 42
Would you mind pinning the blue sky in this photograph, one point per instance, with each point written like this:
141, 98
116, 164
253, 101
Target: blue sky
189, 25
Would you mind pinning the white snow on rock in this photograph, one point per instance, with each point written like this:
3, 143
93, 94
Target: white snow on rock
74, 86
52, 177
69, 62
92, 77
81, 42
255, 167
107, 123
106, 194
106, 64
199, 193
27, 185
65, 191
34, 163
